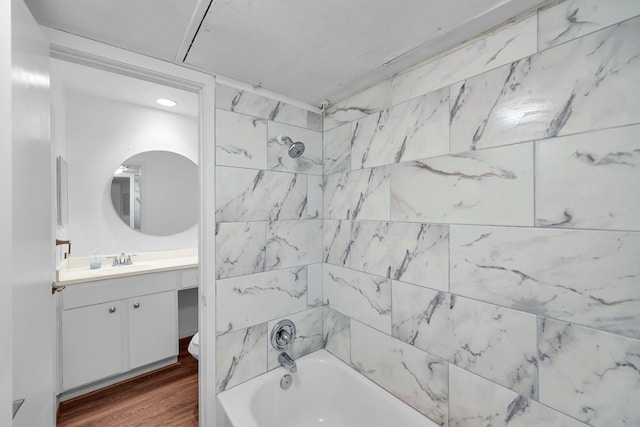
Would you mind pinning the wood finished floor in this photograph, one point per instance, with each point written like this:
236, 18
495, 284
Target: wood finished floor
166, 397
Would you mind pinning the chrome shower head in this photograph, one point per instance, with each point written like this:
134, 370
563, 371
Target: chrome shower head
295, 148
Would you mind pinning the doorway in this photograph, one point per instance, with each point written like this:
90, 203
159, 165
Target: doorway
84, 52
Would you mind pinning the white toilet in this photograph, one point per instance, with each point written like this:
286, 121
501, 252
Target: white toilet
194, 346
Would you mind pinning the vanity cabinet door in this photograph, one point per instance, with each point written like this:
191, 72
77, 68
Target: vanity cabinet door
152, 328
92, 345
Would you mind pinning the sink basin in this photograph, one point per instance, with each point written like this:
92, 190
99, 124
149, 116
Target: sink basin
122, 268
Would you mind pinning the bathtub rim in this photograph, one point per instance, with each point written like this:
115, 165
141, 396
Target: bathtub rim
241, 416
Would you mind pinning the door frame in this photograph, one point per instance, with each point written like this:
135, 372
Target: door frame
67, 47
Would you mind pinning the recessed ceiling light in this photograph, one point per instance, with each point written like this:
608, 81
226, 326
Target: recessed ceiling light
166, 102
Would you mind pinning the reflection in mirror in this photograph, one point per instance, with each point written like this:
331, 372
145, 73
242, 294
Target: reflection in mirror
125, 193
156, 193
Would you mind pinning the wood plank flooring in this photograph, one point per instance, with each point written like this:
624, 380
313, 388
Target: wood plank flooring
166, 397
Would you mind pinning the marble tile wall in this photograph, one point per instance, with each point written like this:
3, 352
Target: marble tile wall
268, 232
481, 233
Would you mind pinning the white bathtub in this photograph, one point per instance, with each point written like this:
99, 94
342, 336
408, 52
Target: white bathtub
325, 392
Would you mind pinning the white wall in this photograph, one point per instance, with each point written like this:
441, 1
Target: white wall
101, 134
187, 312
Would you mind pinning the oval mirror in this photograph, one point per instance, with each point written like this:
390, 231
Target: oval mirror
156, 193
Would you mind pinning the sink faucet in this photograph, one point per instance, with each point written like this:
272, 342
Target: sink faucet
287, 362
123, 259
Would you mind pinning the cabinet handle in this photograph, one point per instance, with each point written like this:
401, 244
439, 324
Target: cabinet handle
112, 309
136, 305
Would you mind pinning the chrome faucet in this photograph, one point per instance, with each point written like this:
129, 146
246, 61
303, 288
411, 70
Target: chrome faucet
123, 259
282, 336
287, 362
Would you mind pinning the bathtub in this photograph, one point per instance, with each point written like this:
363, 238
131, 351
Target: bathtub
325, 392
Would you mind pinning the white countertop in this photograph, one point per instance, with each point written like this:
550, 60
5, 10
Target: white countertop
77, 270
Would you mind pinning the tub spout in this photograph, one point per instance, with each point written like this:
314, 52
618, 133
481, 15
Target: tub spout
288, 363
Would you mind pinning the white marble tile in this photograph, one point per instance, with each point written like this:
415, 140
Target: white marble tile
409, 131
314, 121
314, 285
336, 329
240, 248
476, 402
575, 18
240, 101
505, 45
418, 379
225, 96
277, 151
422, 317
336, 241
314, 197
361, 296
585, 277
248, 300
375, 98
411, 252
362, 194
586, 180
292, 243
251, 195
491, 341
308, 335
481, 187
329, 123
337, 149
591, 375
593, 87
241, 140
240, 356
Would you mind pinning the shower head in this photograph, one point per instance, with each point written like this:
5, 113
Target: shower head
295, 148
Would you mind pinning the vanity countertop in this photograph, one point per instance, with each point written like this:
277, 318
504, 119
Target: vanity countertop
77, 270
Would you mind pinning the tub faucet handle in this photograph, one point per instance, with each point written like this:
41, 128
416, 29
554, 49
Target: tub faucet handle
283, 334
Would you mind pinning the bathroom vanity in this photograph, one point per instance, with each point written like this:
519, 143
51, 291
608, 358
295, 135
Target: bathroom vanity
117, 322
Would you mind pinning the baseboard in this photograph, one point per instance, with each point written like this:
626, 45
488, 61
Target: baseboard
70, 394
58, 412
188, 333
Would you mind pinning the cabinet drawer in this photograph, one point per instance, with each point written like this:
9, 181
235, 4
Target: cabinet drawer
189, 278
120, 288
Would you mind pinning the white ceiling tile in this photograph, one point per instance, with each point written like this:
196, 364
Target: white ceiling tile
153, 28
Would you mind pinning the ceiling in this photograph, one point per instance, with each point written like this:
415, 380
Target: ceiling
313, 51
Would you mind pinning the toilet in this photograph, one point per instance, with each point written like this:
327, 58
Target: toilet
194, 346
